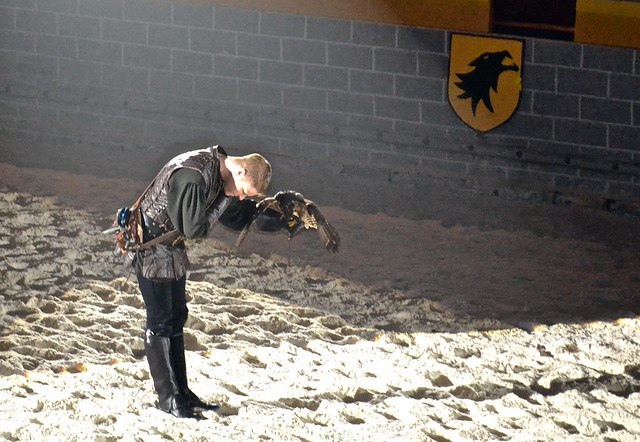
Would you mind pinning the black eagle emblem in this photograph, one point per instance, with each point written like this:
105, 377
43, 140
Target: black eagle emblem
484, 77
298, 214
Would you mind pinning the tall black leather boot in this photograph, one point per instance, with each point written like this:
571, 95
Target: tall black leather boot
179, 365
170, 400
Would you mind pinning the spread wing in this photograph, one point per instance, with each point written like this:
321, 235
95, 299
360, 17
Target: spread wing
328, 234
267, 203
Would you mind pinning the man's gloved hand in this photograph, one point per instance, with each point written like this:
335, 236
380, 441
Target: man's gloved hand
272, 221
269, 221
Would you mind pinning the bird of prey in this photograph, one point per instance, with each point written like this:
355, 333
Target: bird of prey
298, 214
487, 68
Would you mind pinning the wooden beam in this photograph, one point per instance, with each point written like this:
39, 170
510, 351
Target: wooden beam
608, 23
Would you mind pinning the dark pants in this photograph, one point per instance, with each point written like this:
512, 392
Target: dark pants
166, 306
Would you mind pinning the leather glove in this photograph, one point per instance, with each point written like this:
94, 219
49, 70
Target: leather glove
270, 221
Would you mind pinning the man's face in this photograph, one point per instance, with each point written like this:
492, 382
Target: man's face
239, 186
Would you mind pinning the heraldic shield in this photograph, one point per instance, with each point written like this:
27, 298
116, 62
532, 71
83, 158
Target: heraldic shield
485, 79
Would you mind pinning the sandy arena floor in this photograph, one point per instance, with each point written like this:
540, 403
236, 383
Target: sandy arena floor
416, 330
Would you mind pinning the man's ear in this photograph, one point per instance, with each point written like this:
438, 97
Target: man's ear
241, 171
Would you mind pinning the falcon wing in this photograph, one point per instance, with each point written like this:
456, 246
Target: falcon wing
267, 203
328, 234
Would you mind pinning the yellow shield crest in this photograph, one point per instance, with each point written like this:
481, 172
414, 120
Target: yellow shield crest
485, 79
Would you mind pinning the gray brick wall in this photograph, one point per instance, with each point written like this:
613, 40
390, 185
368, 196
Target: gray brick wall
356, 108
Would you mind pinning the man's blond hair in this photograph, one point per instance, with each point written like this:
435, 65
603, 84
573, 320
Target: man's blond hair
258, 171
